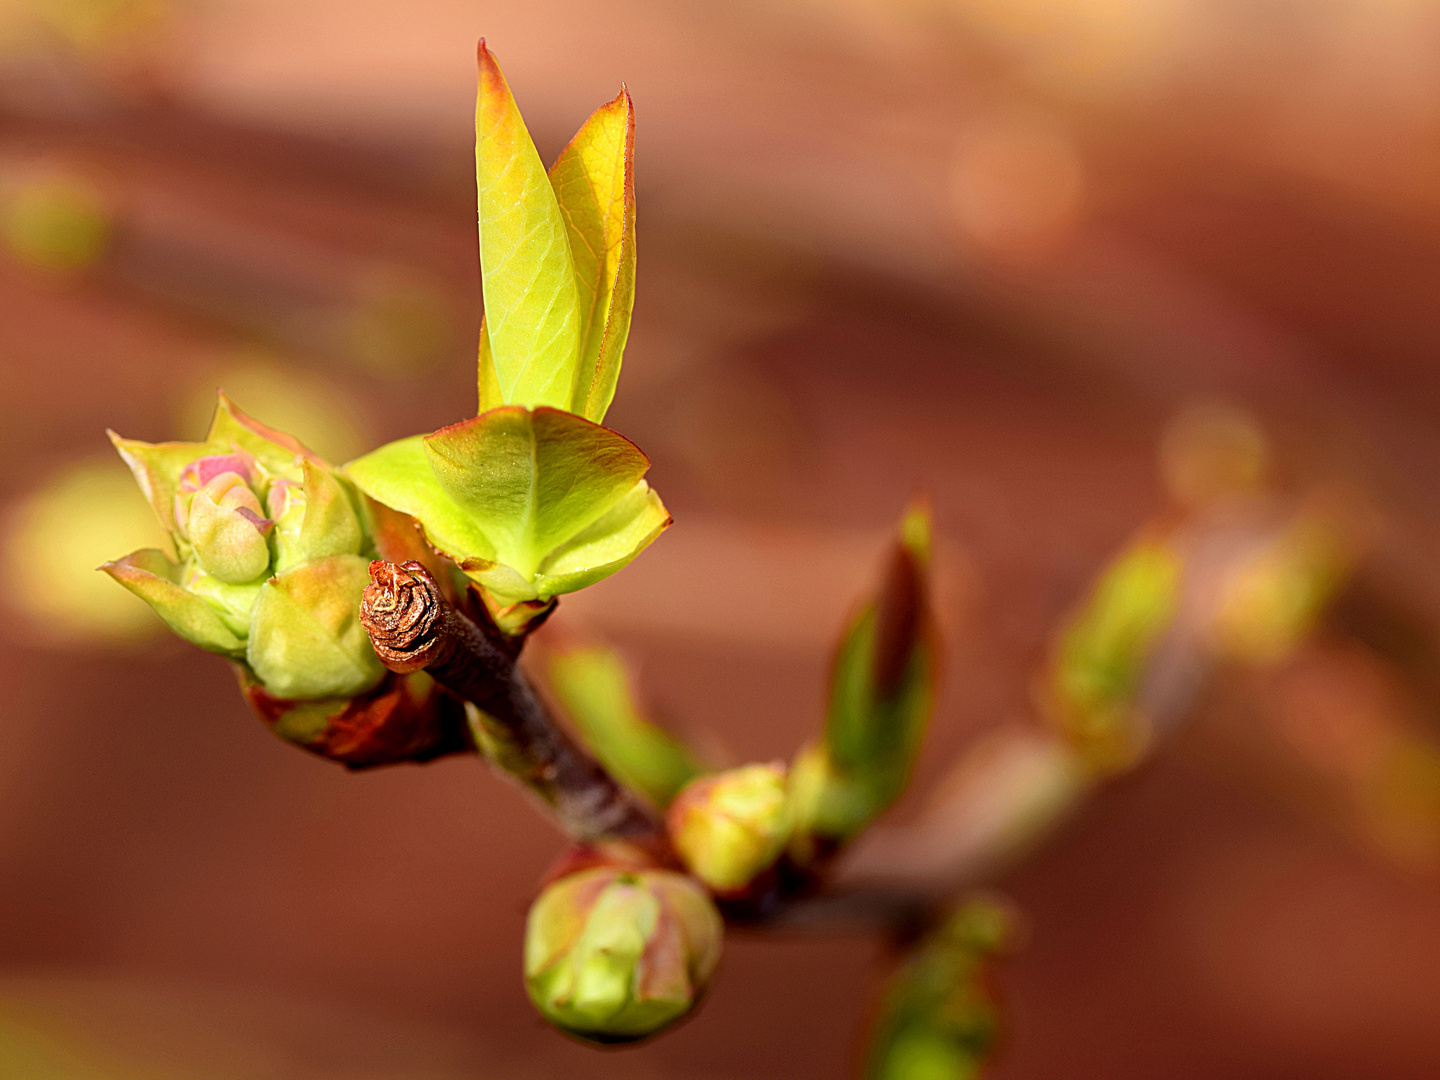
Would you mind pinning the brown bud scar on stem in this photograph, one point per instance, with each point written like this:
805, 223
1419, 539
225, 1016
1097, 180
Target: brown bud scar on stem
401, 609
412, 626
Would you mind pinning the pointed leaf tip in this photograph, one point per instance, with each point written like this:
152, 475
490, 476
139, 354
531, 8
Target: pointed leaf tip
917, 528
527, 274
594, 185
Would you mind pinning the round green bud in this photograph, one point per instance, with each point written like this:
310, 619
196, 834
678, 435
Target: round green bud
730, 827
305, 639
227, 530
615, 956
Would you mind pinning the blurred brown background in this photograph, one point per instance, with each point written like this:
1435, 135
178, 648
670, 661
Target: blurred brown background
984, 248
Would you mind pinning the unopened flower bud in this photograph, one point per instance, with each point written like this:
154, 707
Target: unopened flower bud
730, 827
305, 637
279, 593
227, 531
197, 474
616, 956
314, 519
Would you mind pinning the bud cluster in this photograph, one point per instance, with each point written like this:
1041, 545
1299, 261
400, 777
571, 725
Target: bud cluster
272, 556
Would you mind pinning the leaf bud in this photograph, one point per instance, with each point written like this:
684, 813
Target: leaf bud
615, 956
730, 827
939, 1016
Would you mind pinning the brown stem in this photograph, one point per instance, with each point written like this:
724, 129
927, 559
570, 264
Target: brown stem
413, 626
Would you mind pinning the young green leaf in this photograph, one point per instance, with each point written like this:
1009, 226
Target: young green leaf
399, 476
595, 690
530, 504
607, 545
883, 682
594, 184
881, 693
533, 480
531, 304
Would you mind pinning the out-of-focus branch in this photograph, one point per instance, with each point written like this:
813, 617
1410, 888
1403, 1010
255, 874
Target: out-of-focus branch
414, 627
1255, 571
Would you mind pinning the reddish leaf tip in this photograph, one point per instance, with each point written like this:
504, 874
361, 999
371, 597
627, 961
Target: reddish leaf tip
489, 68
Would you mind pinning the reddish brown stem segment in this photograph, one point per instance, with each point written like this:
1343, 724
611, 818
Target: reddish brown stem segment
413, 626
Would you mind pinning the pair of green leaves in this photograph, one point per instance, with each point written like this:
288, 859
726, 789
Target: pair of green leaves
533, 497
557, 254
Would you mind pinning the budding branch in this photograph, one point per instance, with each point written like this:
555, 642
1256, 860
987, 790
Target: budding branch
413, 627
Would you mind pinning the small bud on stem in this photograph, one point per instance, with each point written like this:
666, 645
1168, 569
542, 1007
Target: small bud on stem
613, 956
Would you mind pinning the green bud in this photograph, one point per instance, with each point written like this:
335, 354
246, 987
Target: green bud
269, 551
313, 519
227, 532
1091, 687
615, 956
730, 827
938, 1019
305, 637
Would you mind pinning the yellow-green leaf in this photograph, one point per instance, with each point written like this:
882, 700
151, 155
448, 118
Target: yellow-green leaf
595, 186
595, 689
533, 480
398, 475
155, 579
607, 545
489, 383
528, 276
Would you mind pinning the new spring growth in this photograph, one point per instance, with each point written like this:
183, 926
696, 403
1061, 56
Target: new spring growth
267, 566
938, 1018
730, 827
533, 497
614, 956
881, 693
1092, 686
592, 684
